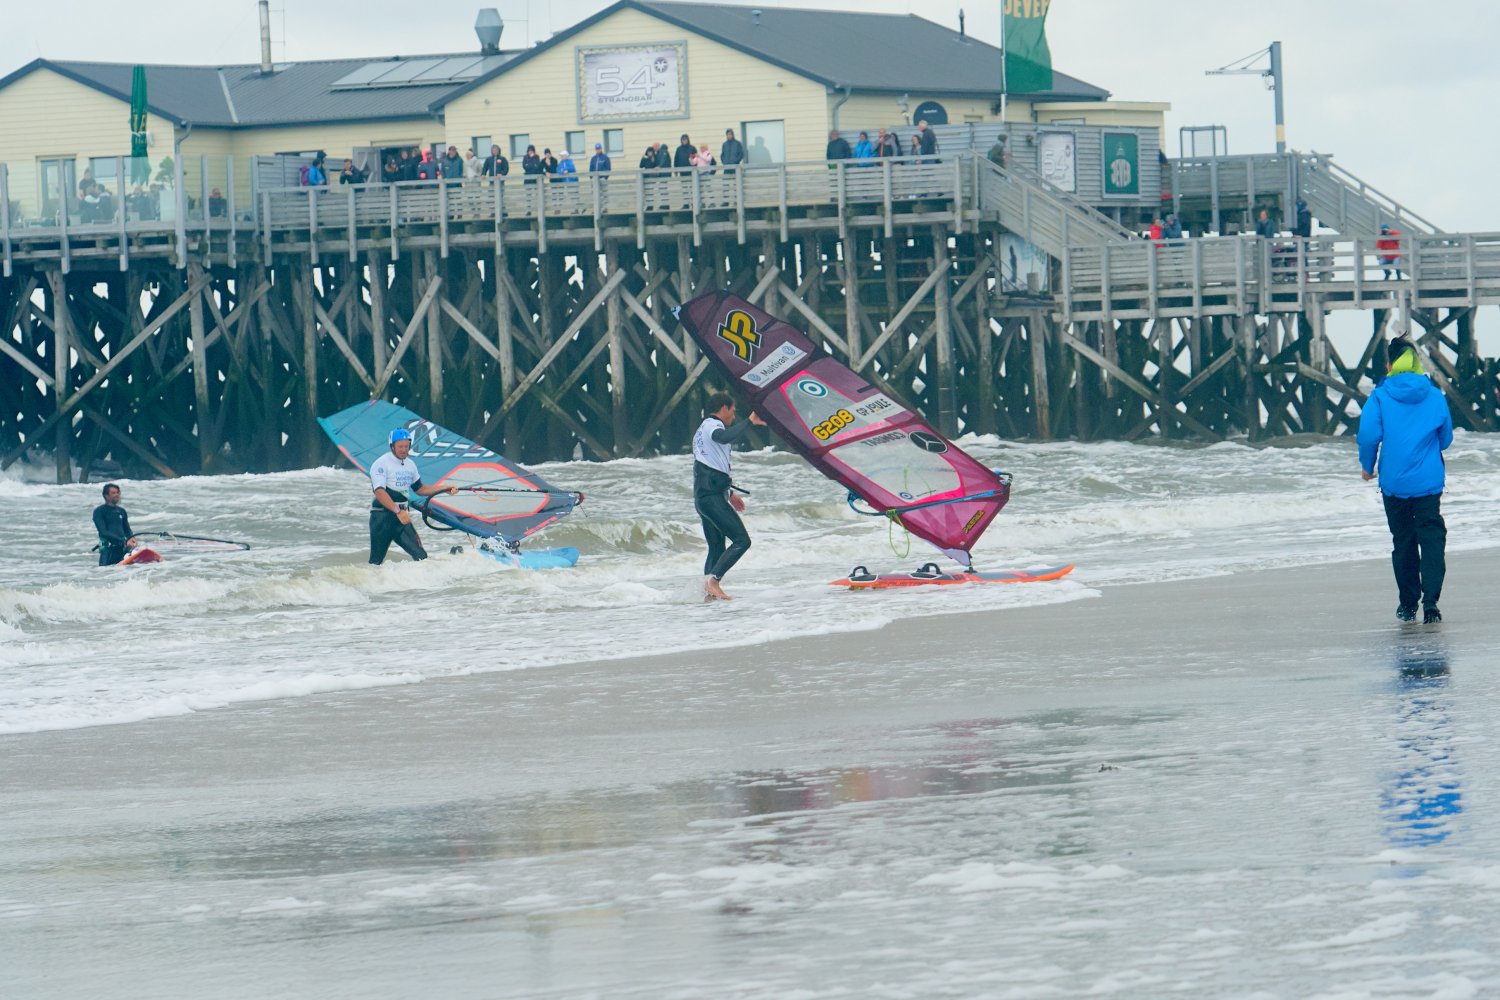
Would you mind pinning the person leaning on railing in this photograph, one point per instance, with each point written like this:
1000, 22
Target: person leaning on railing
495, 165
732, 153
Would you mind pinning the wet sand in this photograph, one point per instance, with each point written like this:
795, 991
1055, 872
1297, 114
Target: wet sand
1124, 788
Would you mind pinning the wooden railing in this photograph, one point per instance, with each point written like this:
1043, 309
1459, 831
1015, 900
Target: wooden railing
347, 214
1041, 215
1337, 198
1249, 274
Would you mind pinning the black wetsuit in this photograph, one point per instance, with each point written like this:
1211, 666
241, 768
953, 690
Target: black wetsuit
113, 527
721, 523
386, 528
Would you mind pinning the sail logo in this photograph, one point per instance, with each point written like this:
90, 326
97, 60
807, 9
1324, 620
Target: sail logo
978, 516
739, 330
812, 387
929, 442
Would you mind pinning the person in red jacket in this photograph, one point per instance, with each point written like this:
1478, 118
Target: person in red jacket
1389, 246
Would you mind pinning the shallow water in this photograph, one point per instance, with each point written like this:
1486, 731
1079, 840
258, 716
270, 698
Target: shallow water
301, 613
961, 809
1236, 784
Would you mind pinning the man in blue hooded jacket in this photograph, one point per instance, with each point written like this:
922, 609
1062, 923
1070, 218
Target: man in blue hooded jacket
1407, 424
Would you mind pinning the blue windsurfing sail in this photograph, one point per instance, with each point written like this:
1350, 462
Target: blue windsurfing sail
497, 498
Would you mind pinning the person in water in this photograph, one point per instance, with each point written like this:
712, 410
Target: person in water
717, 506
391, 475
1406, 423
113, 527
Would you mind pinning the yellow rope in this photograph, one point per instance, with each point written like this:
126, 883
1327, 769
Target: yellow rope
891, 536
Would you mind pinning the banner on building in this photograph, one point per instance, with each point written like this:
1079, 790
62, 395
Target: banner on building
1055, 162
1122, 164
1024, 268
1028, 60
632, 82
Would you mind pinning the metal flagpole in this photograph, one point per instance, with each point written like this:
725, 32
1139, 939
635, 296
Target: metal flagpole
1002, 62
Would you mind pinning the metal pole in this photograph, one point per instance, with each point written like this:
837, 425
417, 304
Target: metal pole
1003, 88
1277, 85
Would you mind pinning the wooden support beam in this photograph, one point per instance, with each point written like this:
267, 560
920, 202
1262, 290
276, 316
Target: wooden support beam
419, 314
613, 333
62, 342
203, 411
1137, 387
101, 374
552, 353
894, 326
107, 426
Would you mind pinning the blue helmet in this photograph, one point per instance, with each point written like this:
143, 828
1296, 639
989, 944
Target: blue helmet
400, 434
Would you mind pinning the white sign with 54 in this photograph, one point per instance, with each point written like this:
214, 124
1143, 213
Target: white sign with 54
622, 82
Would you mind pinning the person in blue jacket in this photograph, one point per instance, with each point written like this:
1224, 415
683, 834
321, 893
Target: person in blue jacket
1406, 424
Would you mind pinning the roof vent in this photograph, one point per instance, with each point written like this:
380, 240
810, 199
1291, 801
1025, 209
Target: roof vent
265, 38
488, 27
755, 16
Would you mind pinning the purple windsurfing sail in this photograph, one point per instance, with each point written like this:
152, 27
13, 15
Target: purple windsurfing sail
883, 452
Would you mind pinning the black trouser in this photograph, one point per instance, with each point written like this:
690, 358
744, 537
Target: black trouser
110, 553
386, 528
1418, 537
720, 522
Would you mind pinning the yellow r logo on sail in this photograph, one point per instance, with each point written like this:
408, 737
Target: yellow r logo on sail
739, 329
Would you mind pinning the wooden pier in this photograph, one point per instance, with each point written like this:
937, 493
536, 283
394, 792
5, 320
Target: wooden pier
536, 318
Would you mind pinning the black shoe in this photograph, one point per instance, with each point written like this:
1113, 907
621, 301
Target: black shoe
1431, 615
1405, 614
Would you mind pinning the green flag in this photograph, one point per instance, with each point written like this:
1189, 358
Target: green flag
1028, 61
140, 171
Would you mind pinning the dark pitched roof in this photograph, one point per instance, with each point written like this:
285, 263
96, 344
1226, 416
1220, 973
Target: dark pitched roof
884, 53
296, 94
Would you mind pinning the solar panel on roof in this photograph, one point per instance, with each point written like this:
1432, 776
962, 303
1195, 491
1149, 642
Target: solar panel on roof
407, 70
367, 73
448, 69
418, 72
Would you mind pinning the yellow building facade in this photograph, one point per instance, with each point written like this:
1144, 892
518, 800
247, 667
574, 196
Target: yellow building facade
757, 78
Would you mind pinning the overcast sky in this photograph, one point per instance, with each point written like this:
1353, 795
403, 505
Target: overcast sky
1400, 93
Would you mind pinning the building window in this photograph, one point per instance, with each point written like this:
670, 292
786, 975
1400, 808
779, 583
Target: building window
765, 142
103, 168
518, 144
481, 145
573, 142
614, 141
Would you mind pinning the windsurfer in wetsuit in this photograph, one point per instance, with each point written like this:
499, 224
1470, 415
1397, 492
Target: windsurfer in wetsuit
717, 506
113, 527
391, 475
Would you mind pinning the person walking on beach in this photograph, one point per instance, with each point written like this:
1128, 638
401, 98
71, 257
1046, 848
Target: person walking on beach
719, 508
112, 525
1407, 425
391, 475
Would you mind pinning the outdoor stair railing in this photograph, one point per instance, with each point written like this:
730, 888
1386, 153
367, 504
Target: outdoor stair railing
1043, 216
1238, 275
1342, 201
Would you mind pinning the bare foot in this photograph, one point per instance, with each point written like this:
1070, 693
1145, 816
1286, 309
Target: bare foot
712, 589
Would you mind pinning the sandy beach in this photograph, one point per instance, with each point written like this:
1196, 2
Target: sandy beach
1255, 785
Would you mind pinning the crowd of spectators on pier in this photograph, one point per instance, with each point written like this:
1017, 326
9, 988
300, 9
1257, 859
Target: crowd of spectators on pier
434, 164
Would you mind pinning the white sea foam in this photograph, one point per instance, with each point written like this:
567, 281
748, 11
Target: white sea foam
300, 612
